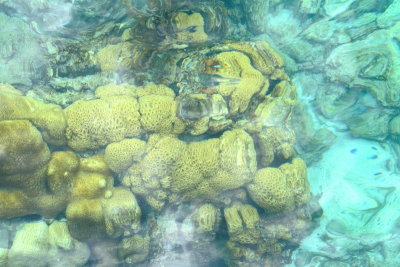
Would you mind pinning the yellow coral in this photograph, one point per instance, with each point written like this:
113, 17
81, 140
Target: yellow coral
263, 57
199, 159
61, 171
189, 28
270, 190
276, 141
296, 178
109, 90
154, 89
238, 155
207, 218
116, 57
158, 114
238, 79
241, 220
96, 123
24, 147
14, 204
48, 118
150, 176
134, 249
103, 216
92, 180
121, 155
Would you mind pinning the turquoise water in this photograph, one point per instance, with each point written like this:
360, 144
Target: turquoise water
199, 133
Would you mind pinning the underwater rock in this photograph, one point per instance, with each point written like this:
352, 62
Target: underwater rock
333, 8
302, 51
283, 19
175, 239
3, 256
390, 16
67, 18
371, 124
71, 59
255, 13
320, 31
309, 6
371, 64
312, 141
22, 59
395, 128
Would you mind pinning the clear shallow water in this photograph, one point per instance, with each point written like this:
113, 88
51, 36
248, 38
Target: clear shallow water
70, 196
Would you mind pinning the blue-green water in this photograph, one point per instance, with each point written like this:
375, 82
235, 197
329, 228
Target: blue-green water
199, 133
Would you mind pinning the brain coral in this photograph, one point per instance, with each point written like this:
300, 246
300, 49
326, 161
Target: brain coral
96, 123
280, 189
121, 155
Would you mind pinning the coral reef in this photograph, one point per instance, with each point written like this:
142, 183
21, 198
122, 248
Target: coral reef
190, 132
